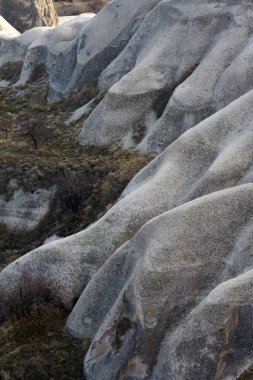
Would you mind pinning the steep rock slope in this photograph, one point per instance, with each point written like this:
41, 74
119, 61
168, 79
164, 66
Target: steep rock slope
180, 67
26, 14
5, 27
174, 259
163, 281
80, 57
160, 75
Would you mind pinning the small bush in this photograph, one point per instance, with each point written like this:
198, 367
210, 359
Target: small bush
37, 346
33, 130
29, 299
72, 189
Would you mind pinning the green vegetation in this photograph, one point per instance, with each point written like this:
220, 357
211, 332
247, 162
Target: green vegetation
88, 180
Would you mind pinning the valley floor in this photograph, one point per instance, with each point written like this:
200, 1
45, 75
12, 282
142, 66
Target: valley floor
88, 181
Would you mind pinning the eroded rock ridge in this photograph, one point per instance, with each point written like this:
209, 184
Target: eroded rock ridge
164, 279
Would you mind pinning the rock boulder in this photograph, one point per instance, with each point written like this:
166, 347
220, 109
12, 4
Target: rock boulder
25, 14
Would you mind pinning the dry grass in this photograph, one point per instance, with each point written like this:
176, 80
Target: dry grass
34, 343
35, 346
88, 179
76, 7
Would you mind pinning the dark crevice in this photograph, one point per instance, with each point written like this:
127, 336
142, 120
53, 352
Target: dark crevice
11, 71
139, 131
39, 72
165, 94
123, 326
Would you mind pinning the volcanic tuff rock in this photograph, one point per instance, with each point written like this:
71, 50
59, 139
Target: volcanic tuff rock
6, 28
159, 75
25, 210
25, 14
81, 55
164, 278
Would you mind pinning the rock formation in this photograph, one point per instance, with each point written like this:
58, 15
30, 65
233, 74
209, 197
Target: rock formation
25, 210
164, 279
6, 28
26, 14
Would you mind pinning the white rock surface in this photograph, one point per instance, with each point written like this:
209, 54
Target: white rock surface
187, 60
159, 74
80, 112
155, 280
220, 346
64, 19
6, 28
25, 210
78, 51
51, 238
16, 49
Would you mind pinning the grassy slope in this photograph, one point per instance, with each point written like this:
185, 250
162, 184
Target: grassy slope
36, 346
94, 175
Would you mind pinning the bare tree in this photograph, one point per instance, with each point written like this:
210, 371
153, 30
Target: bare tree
73, 189
5, 127
33, 130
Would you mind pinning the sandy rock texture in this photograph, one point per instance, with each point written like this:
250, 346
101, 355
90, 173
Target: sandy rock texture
26, 14
162, 283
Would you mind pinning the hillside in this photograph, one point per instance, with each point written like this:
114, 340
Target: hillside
86, 182
146, 110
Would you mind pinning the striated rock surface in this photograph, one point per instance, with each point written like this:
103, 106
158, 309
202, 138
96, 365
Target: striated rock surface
181, 66
159, 74
82, 52
163, 281
26, 14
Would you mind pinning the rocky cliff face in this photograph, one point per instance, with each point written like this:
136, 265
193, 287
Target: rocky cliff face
164, 278
26, 14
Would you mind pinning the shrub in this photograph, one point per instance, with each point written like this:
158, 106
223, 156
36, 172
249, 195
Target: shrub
33, 130
30, 298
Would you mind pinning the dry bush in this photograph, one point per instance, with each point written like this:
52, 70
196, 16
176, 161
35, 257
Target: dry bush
72, 189
37, 346
5, 127
31, 298
33, 130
